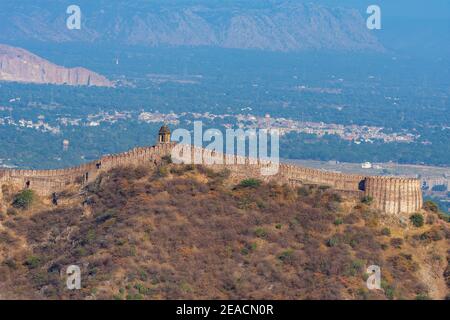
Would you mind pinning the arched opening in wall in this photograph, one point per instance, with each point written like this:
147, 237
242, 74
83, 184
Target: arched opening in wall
27, 184
54, 199
86, 176
362, 185
98, 165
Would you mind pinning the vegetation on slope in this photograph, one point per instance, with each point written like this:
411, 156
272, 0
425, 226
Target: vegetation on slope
187, 232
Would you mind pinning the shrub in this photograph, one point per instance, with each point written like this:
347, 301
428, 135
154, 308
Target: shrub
336, 197
250, 183
260, 233
338, 221
286, 256
10, 263
11, 212
355, 267
389, 292
367, 200
79, 180
162, 171
249, 248
181, 169
209, 172
386, 232
102, 217
32, 262
303, 191
136, 296
332, 206
352, 218
417, 220
167, 159
224, 174
333, 241
444, 217
7, 238
431, 235
139, 172
431, 206
397, 242
245, 251
423, 296
24, 199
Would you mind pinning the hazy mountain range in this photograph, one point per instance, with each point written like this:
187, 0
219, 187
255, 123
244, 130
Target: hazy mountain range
268, 25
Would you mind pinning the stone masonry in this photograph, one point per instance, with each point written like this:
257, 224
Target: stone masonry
392, 195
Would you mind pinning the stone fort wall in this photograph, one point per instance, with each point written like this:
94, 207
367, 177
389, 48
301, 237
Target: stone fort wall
391, 194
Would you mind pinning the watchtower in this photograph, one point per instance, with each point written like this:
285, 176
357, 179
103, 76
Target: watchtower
164, 134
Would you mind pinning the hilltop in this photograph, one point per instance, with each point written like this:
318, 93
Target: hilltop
178, 231
20, 65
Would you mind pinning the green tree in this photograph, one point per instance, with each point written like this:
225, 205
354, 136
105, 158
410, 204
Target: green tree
24, 199
250, 183
417, 220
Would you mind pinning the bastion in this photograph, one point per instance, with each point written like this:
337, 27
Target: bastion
393, 195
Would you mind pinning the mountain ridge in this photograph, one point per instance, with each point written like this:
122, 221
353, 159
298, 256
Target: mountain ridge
20, 65
284, 26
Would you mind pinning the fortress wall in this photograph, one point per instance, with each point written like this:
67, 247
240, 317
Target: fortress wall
253, 167
335, 180
392, 195
45, 182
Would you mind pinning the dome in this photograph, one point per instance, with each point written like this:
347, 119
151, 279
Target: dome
164, 129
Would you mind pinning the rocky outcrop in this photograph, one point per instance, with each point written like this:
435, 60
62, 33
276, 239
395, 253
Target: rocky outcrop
19, 65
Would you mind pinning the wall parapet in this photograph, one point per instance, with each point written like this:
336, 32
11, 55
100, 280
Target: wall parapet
391, 194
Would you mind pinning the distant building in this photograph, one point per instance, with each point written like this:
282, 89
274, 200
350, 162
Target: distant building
66, 144
268, 121
366, 165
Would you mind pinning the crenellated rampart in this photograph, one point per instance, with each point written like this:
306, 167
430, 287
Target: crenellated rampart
390, 194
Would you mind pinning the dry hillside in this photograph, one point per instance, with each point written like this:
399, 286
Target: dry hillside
174, 232
20, 65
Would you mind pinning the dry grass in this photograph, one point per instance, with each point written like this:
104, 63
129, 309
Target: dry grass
188, 234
